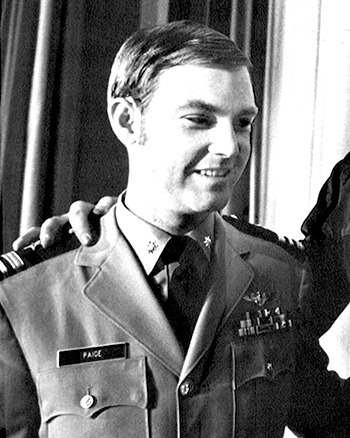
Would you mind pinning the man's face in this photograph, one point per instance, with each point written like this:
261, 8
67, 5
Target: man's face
196, 138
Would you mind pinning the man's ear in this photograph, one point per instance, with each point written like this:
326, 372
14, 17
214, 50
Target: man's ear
125, 119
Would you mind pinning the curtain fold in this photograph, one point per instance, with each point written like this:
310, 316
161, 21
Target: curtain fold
11, 41
18, 35
38, 149
153, 13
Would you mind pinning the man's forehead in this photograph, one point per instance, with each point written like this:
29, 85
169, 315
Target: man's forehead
194, 76
201, 85
201, 68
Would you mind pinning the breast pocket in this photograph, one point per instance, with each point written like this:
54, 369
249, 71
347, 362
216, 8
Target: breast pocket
264, 356
262, 374
83, 400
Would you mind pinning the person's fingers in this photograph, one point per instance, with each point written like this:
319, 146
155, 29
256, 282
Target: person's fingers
79, 219
53, 229
29, 237
104, 204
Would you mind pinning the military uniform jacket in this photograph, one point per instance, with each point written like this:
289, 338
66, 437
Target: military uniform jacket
122, 373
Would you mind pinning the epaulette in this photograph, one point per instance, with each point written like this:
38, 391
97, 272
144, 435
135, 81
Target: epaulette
14, 262
293, 247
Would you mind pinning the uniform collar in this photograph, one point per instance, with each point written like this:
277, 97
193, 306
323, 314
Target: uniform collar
148, 241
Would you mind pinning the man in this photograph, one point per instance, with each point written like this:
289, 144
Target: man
99, 341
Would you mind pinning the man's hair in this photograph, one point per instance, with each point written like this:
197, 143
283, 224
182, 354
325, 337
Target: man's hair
149, 52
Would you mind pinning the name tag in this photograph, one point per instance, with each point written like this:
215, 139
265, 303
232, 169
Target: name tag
92, 354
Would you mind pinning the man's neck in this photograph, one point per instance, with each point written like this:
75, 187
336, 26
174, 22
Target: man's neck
173, 222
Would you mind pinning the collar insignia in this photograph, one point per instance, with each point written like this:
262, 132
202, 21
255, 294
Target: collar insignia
152, 246
208, 241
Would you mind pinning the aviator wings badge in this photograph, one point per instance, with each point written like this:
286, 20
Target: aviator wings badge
259, 298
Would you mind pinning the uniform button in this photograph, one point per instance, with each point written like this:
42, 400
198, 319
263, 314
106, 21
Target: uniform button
269, 367
186, 387
87, 401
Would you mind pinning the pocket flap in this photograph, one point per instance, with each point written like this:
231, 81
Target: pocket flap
110, 383
262, 356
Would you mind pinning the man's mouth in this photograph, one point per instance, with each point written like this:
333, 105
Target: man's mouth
214, 173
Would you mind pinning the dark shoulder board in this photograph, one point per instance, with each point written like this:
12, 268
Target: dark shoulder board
13, 262
16, 261
295, 248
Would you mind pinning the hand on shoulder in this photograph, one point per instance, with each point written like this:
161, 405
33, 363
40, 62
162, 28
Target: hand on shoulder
78, 220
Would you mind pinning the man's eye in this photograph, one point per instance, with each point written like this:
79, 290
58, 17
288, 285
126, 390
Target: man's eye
200, 120
244, 124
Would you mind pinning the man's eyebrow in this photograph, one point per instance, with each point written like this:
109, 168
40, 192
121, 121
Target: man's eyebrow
199, 104
208, 107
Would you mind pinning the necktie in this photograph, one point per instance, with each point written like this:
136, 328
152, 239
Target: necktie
186, 265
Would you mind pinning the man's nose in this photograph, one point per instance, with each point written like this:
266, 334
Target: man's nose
224, 142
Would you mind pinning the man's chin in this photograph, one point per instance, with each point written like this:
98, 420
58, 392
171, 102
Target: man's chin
211, 203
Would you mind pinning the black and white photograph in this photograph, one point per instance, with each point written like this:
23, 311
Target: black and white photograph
175, 219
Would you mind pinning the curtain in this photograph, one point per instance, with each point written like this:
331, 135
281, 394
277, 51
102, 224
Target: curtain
306, 114
56, 142
18, 35
30, 111
41, 104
